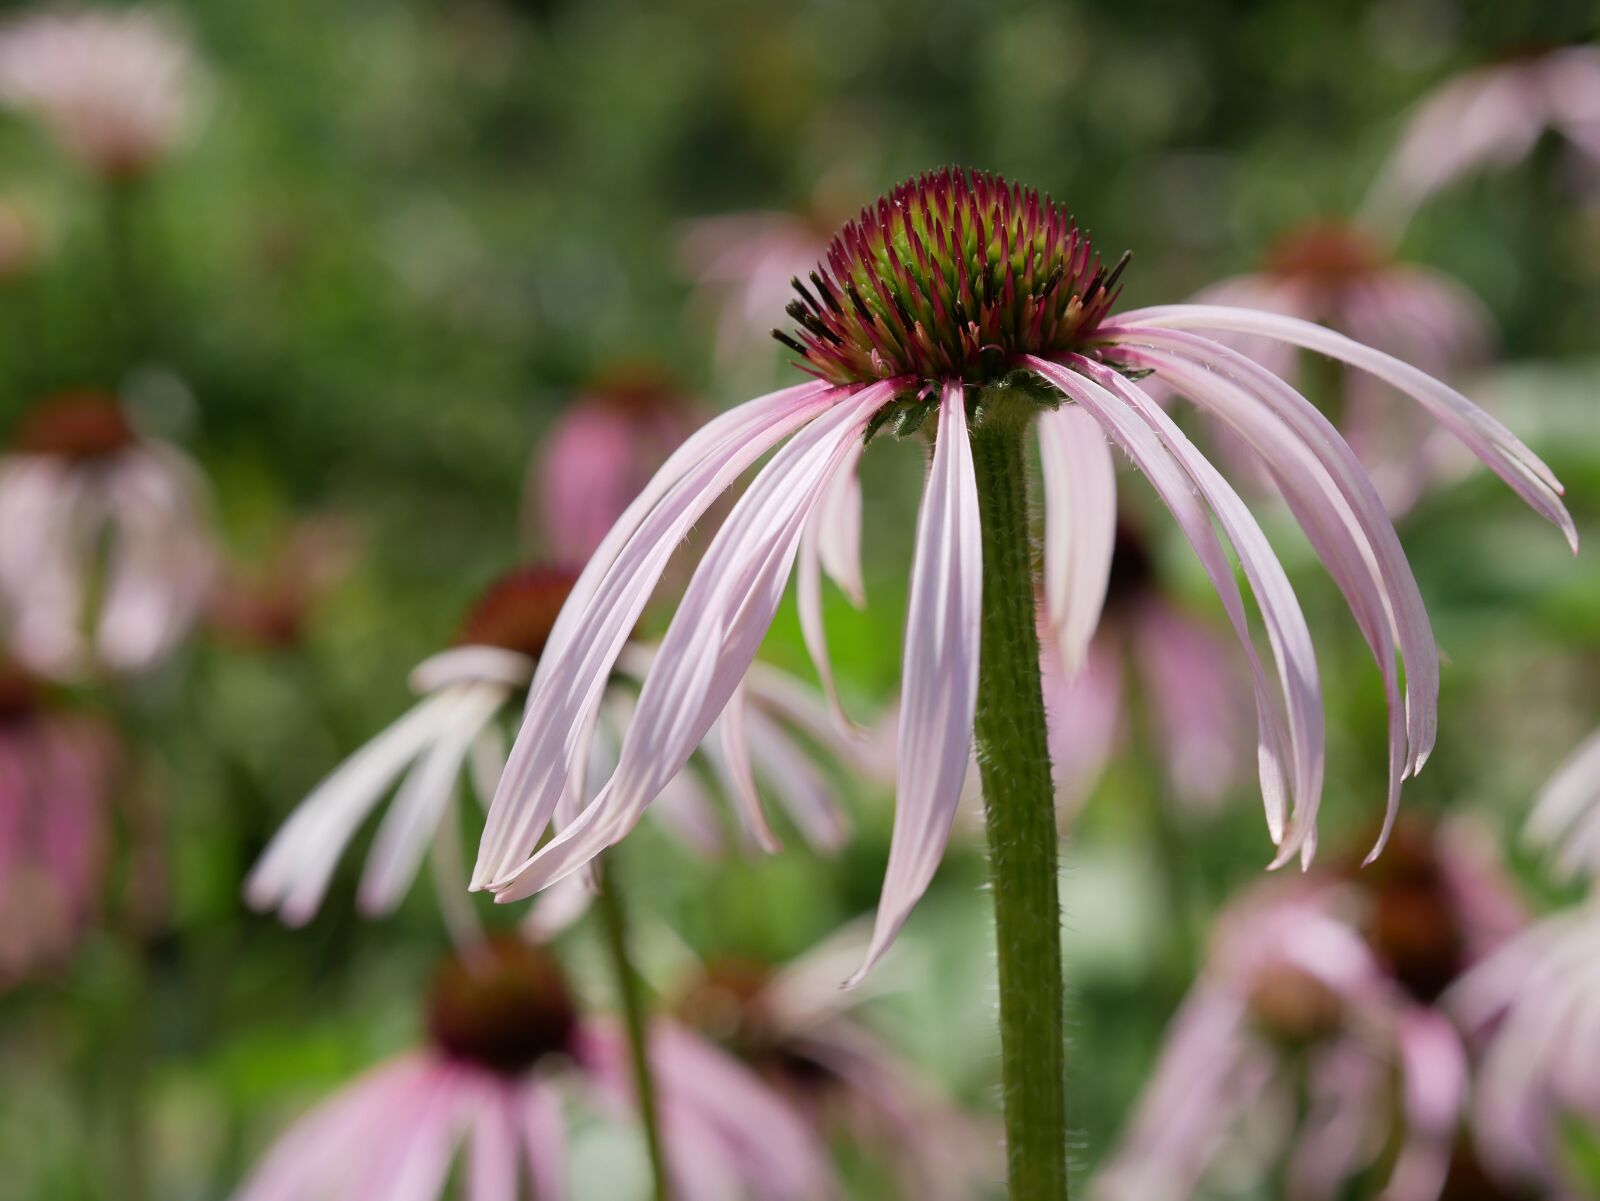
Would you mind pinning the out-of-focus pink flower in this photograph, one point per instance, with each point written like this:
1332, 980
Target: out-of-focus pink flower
1294, 1053
106, 555
1533, 1007
599, 455
903, 334
115, 87
456, 727
1189, 687
1491, 117
1344, 277
265, 605
797, 1029
742, 265
509, 1052
56, 772
1437, 902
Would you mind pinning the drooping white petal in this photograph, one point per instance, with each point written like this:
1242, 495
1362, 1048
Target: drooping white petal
712, 641
1080, 525
1280, 611
604, 605
1498, 447
1341, 513
293, 873
1297, 740
471, 665
940, 676
419, 807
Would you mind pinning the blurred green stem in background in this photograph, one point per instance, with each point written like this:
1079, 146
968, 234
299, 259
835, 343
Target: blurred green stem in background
1019, 802
126, 331
614, 917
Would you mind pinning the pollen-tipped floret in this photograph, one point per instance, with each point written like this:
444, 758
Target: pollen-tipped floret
949, 276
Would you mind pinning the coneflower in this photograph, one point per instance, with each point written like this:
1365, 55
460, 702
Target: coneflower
116, 88
106, 551
1533, 1007
967, 311
1491, 117
509, 1050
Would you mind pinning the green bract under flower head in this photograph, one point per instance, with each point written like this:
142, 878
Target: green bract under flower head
950, 276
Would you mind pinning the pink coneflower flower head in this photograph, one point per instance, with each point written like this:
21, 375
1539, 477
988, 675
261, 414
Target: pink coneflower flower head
1345, 277
1489, 118
600, 452
56, 773
1186, 680
956, 306
106, 553
268, 604
508, 1052
1292, 1005
115, 88
456, 728
796, 1029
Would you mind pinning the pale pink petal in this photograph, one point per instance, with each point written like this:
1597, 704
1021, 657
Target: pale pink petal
1433, 1069
684, 808
713, 638
544, 1140
1497, 446
492, 1145
1341, 514
1175, 468
423, 802
1570, 803
293, 872
838, 526
806, 796
778, 1156
808, 597
471, 665
1080, 525
605, 604
940, 675
738, 776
